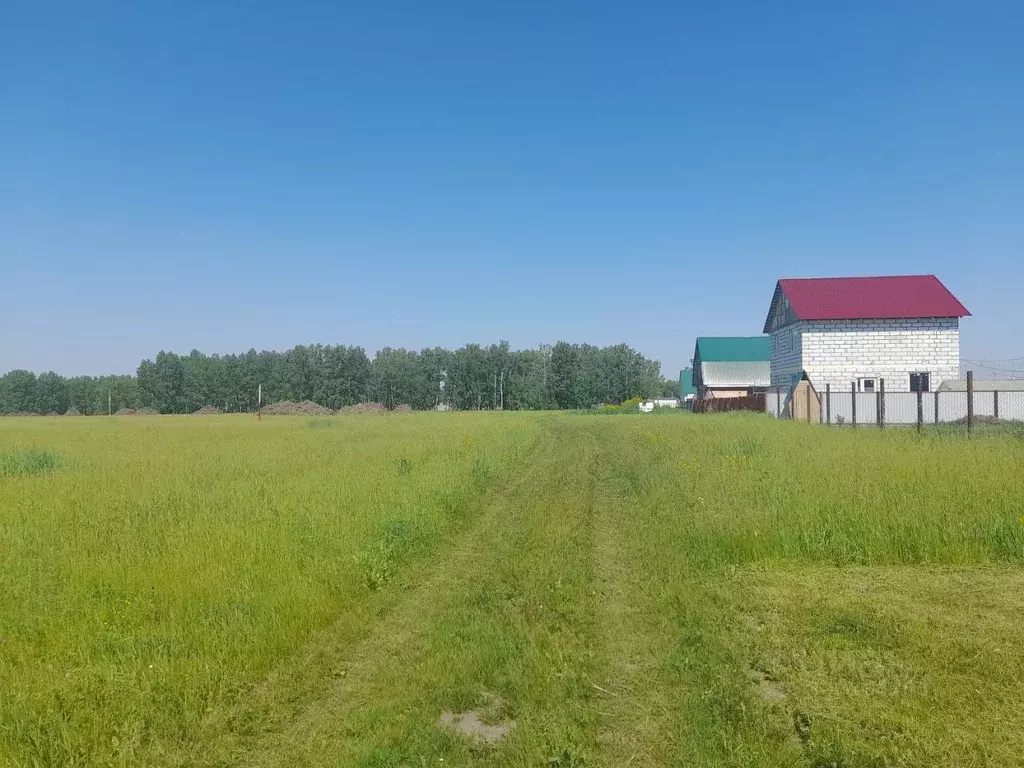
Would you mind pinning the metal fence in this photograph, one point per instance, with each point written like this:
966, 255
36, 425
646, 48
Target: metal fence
880, 409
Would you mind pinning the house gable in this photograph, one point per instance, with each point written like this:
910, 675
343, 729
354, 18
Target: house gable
781, 313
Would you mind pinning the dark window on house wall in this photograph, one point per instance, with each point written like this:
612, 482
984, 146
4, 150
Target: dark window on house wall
867, 385
920, 382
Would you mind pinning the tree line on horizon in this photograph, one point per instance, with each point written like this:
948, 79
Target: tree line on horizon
473, 377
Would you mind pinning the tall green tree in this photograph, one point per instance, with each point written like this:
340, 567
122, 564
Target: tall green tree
51, 394
18, 392
564, 379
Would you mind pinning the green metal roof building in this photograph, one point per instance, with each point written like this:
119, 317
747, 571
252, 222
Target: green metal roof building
731, 363
732, 349
686, 383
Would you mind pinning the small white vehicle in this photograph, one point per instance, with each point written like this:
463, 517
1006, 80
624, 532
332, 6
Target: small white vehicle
651, 403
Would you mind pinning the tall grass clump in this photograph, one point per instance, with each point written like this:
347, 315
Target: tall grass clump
28, 461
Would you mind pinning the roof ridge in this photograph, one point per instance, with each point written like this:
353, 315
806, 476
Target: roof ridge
754, 336
860, 277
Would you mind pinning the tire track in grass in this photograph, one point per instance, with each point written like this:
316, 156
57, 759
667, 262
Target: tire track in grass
506, 612
633, 707
676, 692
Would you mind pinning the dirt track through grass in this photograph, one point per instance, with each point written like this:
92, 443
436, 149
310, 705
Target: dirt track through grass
397, 654
654, 591
505, 614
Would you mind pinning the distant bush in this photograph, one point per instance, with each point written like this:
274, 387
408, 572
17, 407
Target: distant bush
31, 461
626, 406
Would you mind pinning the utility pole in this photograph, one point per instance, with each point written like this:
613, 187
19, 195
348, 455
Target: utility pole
109, 409
970, 401
259, 403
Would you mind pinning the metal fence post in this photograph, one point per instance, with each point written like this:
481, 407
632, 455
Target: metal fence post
995, 404
828, 405
920, 409
970, 401
778, 403
936, 406
881, 403
808, 399
853, 403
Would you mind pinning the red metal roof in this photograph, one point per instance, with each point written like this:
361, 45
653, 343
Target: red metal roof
870, 298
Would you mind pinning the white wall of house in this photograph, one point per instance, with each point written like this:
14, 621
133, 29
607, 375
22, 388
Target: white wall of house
837, 352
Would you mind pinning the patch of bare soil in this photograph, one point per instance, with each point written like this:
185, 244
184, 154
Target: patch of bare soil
483, 725
72, 411
771, 690
146, 411
305, 408
208, 410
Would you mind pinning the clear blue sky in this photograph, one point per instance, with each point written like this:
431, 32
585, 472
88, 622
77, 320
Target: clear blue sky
232, 175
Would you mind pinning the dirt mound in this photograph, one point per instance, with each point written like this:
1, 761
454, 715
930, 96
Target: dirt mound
72, 411
403, 408
146, 411
980, 420
208, 410
20, 414
364, 408
307, 408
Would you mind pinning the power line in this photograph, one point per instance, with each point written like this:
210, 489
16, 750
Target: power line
988, 364
996, 369
982, 362
1007, 374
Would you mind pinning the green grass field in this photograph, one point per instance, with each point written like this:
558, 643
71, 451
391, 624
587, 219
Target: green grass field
663, 590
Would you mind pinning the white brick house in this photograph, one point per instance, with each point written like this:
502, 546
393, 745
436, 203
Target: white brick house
856, 331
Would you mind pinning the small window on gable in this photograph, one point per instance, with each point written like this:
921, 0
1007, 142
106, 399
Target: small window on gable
867, 385
920, 382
